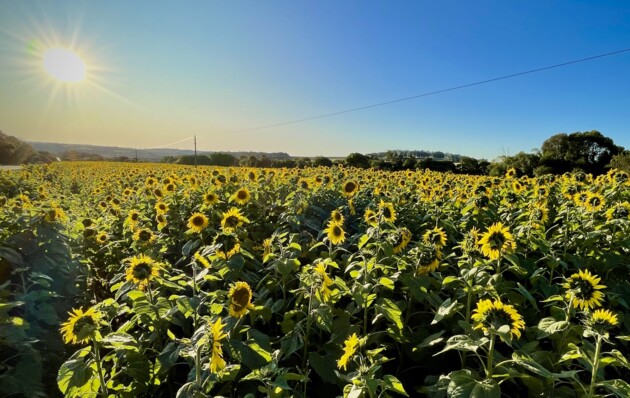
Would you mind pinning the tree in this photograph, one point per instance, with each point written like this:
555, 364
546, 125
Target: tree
14, 151
358, 160
322, 161
588, 151
525, 164
621, 161
222, 159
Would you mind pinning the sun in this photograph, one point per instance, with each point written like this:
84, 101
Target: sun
63, 65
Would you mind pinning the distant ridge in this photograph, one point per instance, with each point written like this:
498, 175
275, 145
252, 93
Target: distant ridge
153, 155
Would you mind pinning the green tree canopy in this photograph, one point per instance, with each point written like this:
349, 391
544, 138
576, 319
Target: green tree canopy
588, 151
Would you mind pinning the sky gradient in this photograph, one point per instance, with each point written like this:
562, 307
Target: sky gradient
159, 72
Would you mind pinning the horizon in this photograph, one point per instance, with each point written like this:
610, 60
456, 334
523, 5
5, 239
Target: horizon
226, 71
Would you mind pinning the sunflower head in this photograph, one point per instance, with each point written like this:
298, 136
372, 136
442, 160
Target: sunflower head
349, 349
241, 196
210, 198
387, 211
80, 326
583, 289
594, 201
402, 237
197, 222
240, 297
335, 233
141, 270
435, 236
350, 188
490, 316
144, 235
102, 238
336, 216
601, 321
229, 245
371, 218
619, 211
232, 219
497, 241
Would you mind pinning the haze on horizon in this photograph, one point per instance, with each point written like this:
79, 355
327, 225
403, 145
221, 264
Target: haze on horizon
141, 74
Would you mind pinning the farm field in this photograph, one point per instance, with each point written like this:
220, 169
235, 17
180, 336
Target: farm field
149, 280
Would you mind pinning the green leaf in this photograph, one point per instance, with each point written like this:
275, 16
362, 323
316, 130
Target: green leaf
447, 308
119, 341
391, 311
393, 384
324, 366
548, 326
461, 384
430, 341
73, 374
168, 357
387, 283
462, 342
486, 389
618, 387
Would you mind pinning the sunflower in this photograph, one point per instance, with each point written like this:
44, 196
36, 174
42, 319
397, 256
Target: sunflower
197, 222
428, 258
132, 218
583, 289
580, 198
240, 297
229, 245
141, 269
199, 258
144, 235
324, 291
490, 316
232, 219
471, 241
161, 208
601, 320
217, 363
161, 221
510, 173
594, 202
102, 238
350, 188
56, 213
435, 236
80, 325
241, 196
210, 198
496, 241
350, 347
370, 218
336, 217
87, 222
335, 233
403, 237
618, 211
387, 212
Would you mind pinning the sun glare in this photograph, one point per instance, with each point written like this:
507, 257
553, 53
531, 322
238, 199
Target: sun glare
64, 65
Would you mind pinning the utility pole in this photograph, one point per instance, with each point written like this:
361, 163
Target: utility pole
136, 156
195, 150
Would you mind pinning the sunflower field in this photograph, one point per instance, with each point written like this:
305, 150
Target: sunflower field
149, 280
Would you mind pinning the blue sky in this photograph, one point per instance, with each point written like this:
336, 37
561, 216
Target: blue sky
160, 72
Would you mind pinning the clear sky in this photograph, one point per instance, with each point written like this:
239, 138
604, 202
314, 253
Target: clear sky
162, 71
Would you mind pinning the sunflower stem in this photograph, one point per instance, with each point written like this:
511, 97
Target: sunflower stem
490, 359
306, 337
99, 369
596, 359
198, 366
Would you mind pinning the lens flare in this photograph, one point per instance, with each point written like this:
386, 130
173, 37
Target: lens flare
63, 65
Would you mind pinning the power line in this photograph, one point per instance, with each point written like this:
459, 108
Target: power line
169, 144
429, 93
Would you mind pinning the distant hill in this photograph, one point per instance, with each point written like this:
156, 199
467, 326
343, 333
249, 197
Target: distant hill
152, 155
